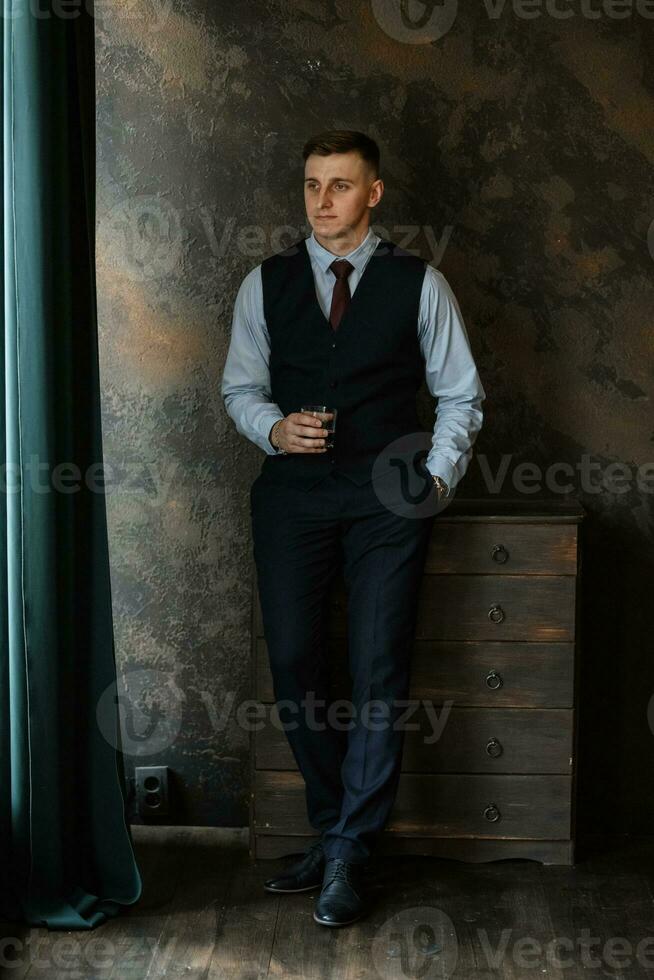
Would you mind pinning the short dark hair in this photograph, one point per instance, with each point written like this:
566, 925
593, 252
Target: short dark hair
343, 141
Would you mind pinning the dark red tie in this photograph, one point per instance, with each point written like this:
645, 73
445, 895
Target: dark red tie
341, 295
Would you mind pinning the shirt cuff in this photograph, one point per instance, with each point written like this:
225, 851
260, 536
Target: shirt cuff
438, 466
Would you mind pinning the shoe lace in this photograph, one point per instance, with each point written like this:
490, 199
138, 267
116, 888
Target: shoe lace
342, 871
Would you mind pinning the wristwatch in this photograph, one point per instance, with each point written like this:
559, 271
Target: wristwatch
441, 485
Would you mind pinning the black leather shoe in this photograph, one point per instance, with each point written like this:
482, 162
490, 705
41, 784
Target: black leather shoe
302, 875
341, 900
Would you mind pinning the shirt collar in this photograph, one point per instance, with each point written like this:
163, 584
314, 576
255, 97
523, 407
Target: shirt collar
358, 256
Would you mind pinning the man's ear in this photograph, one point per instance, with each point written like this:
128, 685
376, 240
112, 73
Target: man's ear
377, 187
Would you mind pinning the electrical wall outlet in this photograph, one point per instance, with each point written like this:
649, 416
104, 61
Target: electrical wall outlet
152, 797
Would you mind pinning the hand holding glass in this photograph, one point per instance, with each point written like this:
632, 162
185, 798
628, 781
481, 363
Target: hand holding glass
328, 423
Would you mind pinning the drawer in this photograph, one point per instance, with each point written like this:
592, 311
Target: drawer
497, 607
491, 674
502, 549
464, 740
486, 607
445, 805
479, 607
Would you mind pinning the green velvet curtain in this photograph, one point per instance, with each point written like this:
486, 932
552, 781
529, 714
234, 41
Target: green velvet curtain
66, 856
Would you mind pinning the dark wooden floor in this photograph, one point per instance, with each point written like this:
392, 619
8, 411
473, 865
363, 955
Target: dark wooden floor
204, 914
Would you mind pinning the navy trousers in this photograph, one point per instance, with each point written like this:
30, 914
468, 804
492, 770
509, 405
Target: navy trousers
300, 540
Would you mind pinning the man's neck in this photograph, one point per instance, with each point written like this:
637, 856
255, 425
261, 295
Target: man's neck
345, 245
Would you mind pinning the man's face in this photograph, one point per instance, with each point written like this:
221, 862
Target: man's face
339, 189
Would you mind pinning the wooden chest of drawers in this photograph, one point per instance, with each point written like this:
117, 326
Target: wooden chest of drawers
496, 650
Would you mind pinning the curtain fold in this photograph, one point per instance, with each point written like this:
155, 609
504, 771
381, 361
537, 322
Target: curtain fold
66, 855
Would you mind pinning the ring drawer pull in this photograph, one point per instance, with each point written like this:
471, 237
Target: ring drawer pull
494, 680
494, 748
492, 813
496, 613
499, 554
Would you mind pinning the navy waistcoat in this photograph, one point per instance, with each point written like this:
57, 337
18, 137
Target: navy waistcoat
370, 369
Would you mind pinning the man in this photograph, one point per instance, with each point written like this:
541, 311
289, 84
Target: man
349, 321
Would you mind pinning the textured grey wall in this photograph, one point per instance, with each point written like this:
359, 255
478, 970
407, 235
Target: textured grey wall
519, 149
